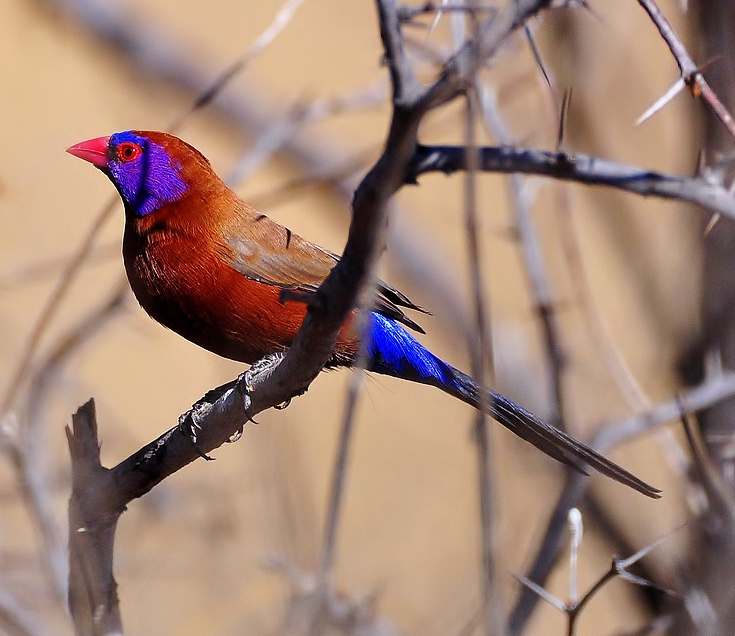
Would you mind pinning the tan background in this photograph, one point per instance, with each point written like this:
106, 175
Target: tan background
191, 555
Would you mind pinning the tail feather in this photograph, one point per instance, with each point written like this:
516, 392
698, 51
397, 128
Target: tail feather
393, 351
544, 436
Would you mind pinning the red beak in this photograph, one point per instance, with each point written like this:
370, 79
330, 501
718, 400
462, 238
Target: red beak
92, 150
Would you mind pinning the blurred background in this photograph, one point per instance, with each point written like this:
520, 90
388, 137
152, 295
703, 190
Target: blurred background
228, 547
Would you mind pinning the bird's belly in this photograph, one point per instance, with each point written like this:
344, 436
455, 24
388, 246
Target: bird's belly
215, 307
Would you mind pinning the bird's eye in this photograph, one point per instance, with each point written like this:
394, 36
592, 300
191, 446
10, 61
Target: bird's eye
128, 151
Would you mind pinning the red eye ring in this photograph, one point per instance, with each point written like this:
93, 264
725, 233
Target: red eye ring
128, 151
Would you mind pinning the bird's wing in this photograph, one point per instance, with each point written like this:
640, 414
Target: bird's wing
267, 252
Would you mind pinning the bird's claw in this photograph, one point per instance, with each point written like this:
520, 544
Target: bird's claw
259, 370
189, 425
236, 435
245, 386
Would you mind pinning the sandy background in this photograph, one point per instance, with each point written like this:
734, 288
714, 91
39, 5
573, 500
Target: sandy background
191, 556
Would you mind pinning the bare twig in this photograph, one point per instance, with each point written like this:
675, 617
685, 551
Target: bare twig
719, 496
574, 607
52, 304
690, 72
44, 269
283, 17
339, 612
535, 267
600, 334
481, 357
24, 445
298, 117
339, 475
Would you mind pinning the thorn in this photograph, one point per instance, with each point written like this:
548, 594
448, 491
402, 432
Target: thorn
577, 530
701, 162
436, 19
541, 592
563, 117
536, 54
675, 89
712, 222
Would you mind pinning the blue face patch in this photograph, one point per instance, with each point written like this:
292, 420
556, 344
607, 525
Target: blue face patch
144, 173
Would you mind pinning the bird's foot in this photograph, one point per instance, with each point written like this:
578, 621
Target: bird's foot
258, 372
189, 425
237, 434
190, 422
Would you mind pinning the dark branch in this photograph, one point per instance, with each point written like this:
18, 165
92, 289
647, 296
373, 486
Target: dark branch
704, 190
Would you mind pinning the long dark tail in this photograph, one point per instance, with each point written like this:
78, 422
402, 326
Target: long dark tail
393, 351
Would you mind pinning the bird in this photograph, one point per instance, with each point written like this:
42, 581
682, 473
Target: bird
208, 266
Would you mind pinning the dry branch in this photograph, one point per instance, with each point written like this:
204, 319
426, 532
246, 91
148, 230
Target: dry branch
100, 495
143, 470
92, 588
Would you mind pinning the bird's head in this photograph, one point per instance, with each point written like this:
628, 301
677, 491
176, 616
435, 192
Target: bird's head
149, 169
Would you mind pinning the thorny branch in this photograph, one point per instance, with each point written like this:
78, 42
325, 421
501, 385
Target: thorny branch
690, 72
336, 298
653, 184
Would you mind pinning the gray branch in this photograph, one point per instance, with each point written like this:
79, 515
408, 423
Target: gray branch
705, 190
